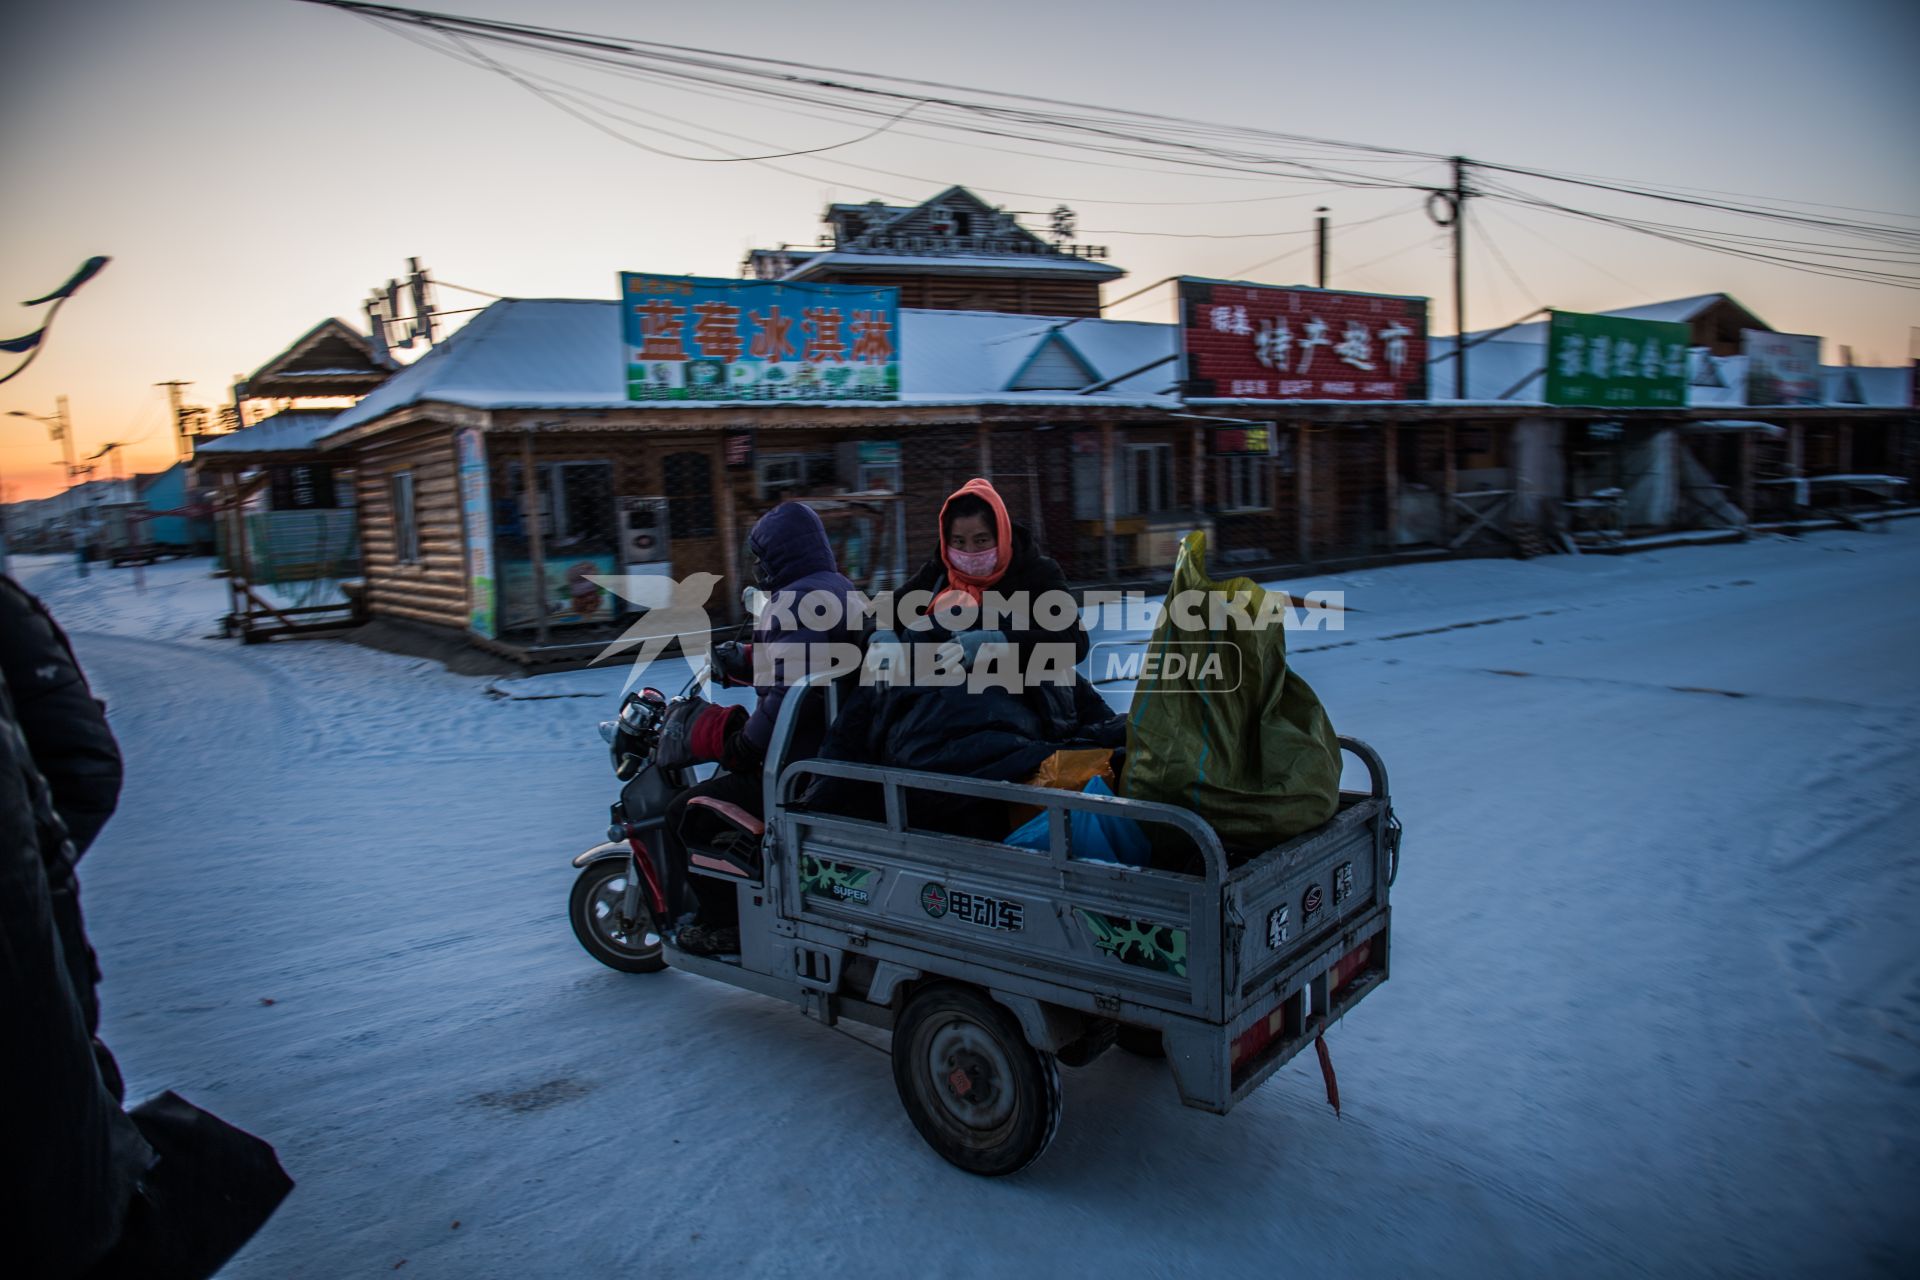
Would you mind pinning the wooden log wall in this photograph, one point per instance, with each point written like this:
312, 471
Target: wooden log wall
1044, 297
434, 590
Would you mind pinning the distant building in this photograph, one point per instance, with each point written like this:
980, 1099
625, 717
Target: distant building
954, 252
285, 511
535, 451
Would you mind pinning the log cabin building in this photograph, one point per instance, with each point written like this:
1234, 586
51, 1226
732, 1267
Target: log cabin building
283, 511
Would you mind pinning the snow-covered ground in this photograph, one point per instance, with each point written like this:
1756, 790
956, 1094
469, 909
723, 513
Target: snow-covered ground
1654, 1005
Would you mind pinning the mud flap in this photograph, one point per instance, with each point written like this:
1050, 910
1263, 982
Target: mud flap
1326, 1073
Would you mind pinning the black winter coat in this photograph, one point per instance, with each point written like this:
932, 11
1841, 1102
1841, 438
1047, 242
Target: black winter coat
65, 726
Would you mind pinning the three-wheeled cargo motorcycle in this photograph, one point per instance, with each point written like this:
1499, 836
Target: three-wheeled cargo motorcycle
991, 964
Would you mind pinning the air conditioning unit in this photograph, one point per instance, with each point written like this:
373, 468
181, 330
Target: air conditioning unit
645, 546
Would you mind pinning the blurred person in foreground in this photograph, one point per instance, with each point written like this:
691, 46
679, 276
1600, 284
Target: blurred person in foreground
168, 1190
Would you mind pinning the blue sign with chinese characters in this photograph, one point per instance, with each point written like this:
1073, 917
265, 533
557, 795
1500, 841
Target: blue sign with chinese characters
693, 338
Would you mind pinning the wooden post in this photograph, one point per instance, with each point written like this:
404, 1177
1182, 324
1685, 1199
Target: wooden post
1392, 443
1198, 452
1449, 514
1846, 448
984, 442
1746, 475
246, 561
1303, 493
536, 539
1795, 460
229, 521
729, 535
1108, 551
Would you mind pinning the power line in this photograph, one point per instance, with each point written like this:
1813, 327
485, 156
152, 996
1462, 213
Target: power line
1493, 248
1512, 221
1132, 138
1892, 279
1100, 132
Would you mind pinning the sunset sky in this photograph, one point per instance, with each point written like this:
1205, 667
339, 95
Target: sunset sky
254, 166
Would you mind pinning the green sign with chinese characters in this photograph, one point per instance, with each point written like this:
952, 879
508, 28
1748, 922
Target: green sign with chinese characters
1616, 363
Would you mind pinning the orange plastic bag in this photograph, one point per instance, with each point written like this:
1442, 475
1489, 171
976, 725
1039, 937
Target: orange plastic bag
1069, 770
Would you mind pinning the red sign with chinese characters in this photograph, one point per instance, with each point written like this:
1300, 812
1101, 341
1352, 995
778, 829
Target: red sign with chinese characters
1263, 342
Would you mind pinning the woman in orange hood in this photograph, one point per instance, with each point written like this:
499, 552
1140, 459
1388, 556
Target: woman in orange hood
983, 551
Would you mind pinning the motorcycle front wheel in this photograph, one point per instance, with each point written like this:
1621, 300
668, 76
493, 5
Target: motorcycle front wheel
599, 895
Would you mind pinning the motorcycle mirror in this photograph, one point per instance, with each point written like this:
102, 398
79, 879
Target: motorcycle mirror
754, 601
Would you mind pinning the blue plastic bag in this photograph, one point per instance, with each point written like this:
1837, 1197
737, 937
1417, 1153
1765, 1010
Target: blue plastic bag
1097, 837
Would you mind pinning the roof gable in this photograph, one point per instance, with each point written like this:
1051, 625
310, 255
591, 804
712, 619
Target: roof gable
330, 359
1054, 364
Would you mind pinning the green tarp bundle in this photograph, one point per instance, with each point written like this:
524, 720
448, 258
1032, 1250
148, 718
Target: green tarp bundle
1219, 725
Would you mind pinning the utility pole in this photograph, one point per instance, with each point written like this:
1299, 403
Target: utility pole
1320, 247
1460, 277
1453, 203
184, 449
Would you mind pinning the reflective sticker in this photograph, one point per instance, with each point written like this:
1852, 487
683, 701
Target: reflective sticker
847, 883
1140, 943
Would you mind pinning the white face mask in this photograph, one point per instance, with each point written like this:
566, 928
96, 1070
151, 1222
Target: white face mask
975, 564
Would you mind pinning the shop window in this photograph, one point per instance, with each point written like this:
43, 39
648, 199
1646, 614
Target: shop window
574, 503
1243, 482
1143, 480
879, 477
1146, 477
1477, 448
406, 531
299, 487
1086, 482
788, 474
575, 506
689, 481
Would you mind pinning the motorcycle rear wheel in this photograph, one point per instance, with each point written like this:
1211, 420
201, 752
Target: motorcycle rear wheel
979, 1094
594, 911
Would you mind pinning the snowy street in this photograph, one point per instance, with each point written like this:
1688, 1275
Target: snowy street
1655, 1003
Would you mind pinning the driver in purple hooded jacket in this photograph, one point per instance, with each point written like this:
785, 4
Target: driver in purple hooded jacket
791, 558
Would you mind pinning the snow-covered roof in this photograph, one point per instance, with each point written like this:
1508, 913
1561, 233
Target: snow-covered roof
1502, 370
1674, 311
1511, 370
842, 261
564, 353
945, 351
290, 432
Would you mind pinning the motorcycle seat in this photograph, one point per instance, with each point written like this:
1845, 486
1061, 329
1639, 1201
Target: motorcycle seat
732, 813
722, 839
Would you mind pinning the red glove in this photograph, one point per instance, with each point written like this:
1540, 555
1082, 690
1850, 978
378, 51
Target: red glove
696, 733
